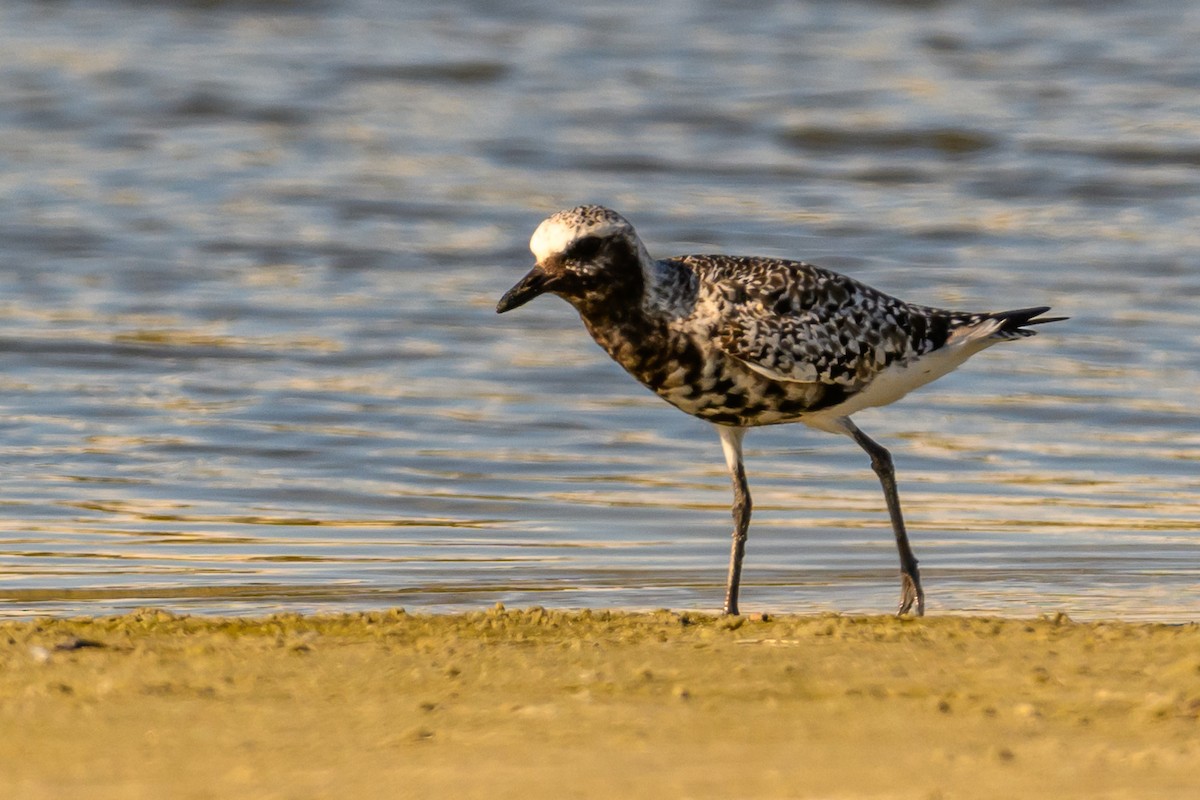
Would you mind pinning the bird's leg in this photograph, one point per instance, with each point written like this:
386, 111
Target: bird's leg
731, 443
910, 579
741, 527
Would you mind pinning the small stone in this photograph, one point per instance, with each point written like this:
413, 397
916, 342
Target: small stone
421, 734
1026, 710
76, 643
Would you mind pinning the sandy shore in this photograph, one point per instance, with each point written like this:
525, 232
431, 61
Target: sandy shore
534, 704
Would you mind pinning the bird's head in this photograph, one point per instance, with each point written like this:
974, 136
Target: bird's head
589, 255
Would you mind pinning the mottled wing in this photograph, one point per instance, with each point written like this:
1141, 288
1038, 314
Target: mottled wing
795, 322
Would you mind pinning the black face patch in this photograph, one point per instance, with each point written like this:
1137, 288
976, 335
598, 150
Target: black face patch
584, 249
601, 274
622, 261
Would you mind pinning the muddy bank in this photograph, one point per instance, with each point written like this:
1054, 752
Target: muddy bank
547, 704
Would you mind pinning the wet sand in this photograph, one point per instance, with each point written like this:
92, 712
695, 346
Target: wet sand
534, 704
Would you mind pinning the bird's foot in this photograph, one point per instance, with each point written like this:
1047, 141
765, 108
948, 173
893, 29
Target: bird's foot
912, 599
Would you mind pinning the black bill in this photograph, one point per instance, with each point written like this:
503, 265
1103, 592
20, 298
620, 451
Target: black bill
534, 283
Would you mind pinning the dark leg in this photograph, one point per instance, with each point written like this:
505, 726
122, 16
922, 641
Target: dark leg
731, 442
910, 578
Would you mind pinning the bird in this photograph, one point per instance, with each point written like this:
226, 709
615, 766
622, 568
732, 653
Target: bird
745, 342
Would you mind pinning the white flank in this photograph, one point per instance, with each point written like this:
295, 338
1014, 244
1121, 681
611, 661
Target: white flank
898, 379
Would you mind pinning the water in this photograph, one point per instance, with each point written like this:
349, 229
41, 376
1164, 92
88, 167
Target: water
251, 253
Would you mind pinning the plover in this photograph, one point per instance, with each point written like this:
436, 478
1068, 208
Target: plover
746, 341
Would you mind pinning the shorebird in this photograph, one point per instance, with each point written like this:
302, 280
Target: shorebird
748, 341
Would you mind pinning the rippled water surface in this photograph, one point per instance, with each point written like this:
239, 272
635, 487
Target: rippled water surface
251, 252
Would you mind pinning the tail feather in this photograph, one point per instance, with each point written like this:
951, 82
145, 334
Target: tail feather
1015, 323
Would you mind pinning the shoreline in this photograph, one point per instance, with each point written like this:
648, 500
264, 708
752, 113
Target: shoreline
536, 703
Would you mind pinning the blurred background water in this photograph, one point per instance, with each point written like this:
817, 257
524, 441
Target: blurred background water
250, 252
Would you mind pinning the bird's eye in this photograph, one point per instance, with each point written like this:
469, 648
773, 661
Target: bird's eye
585, 249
